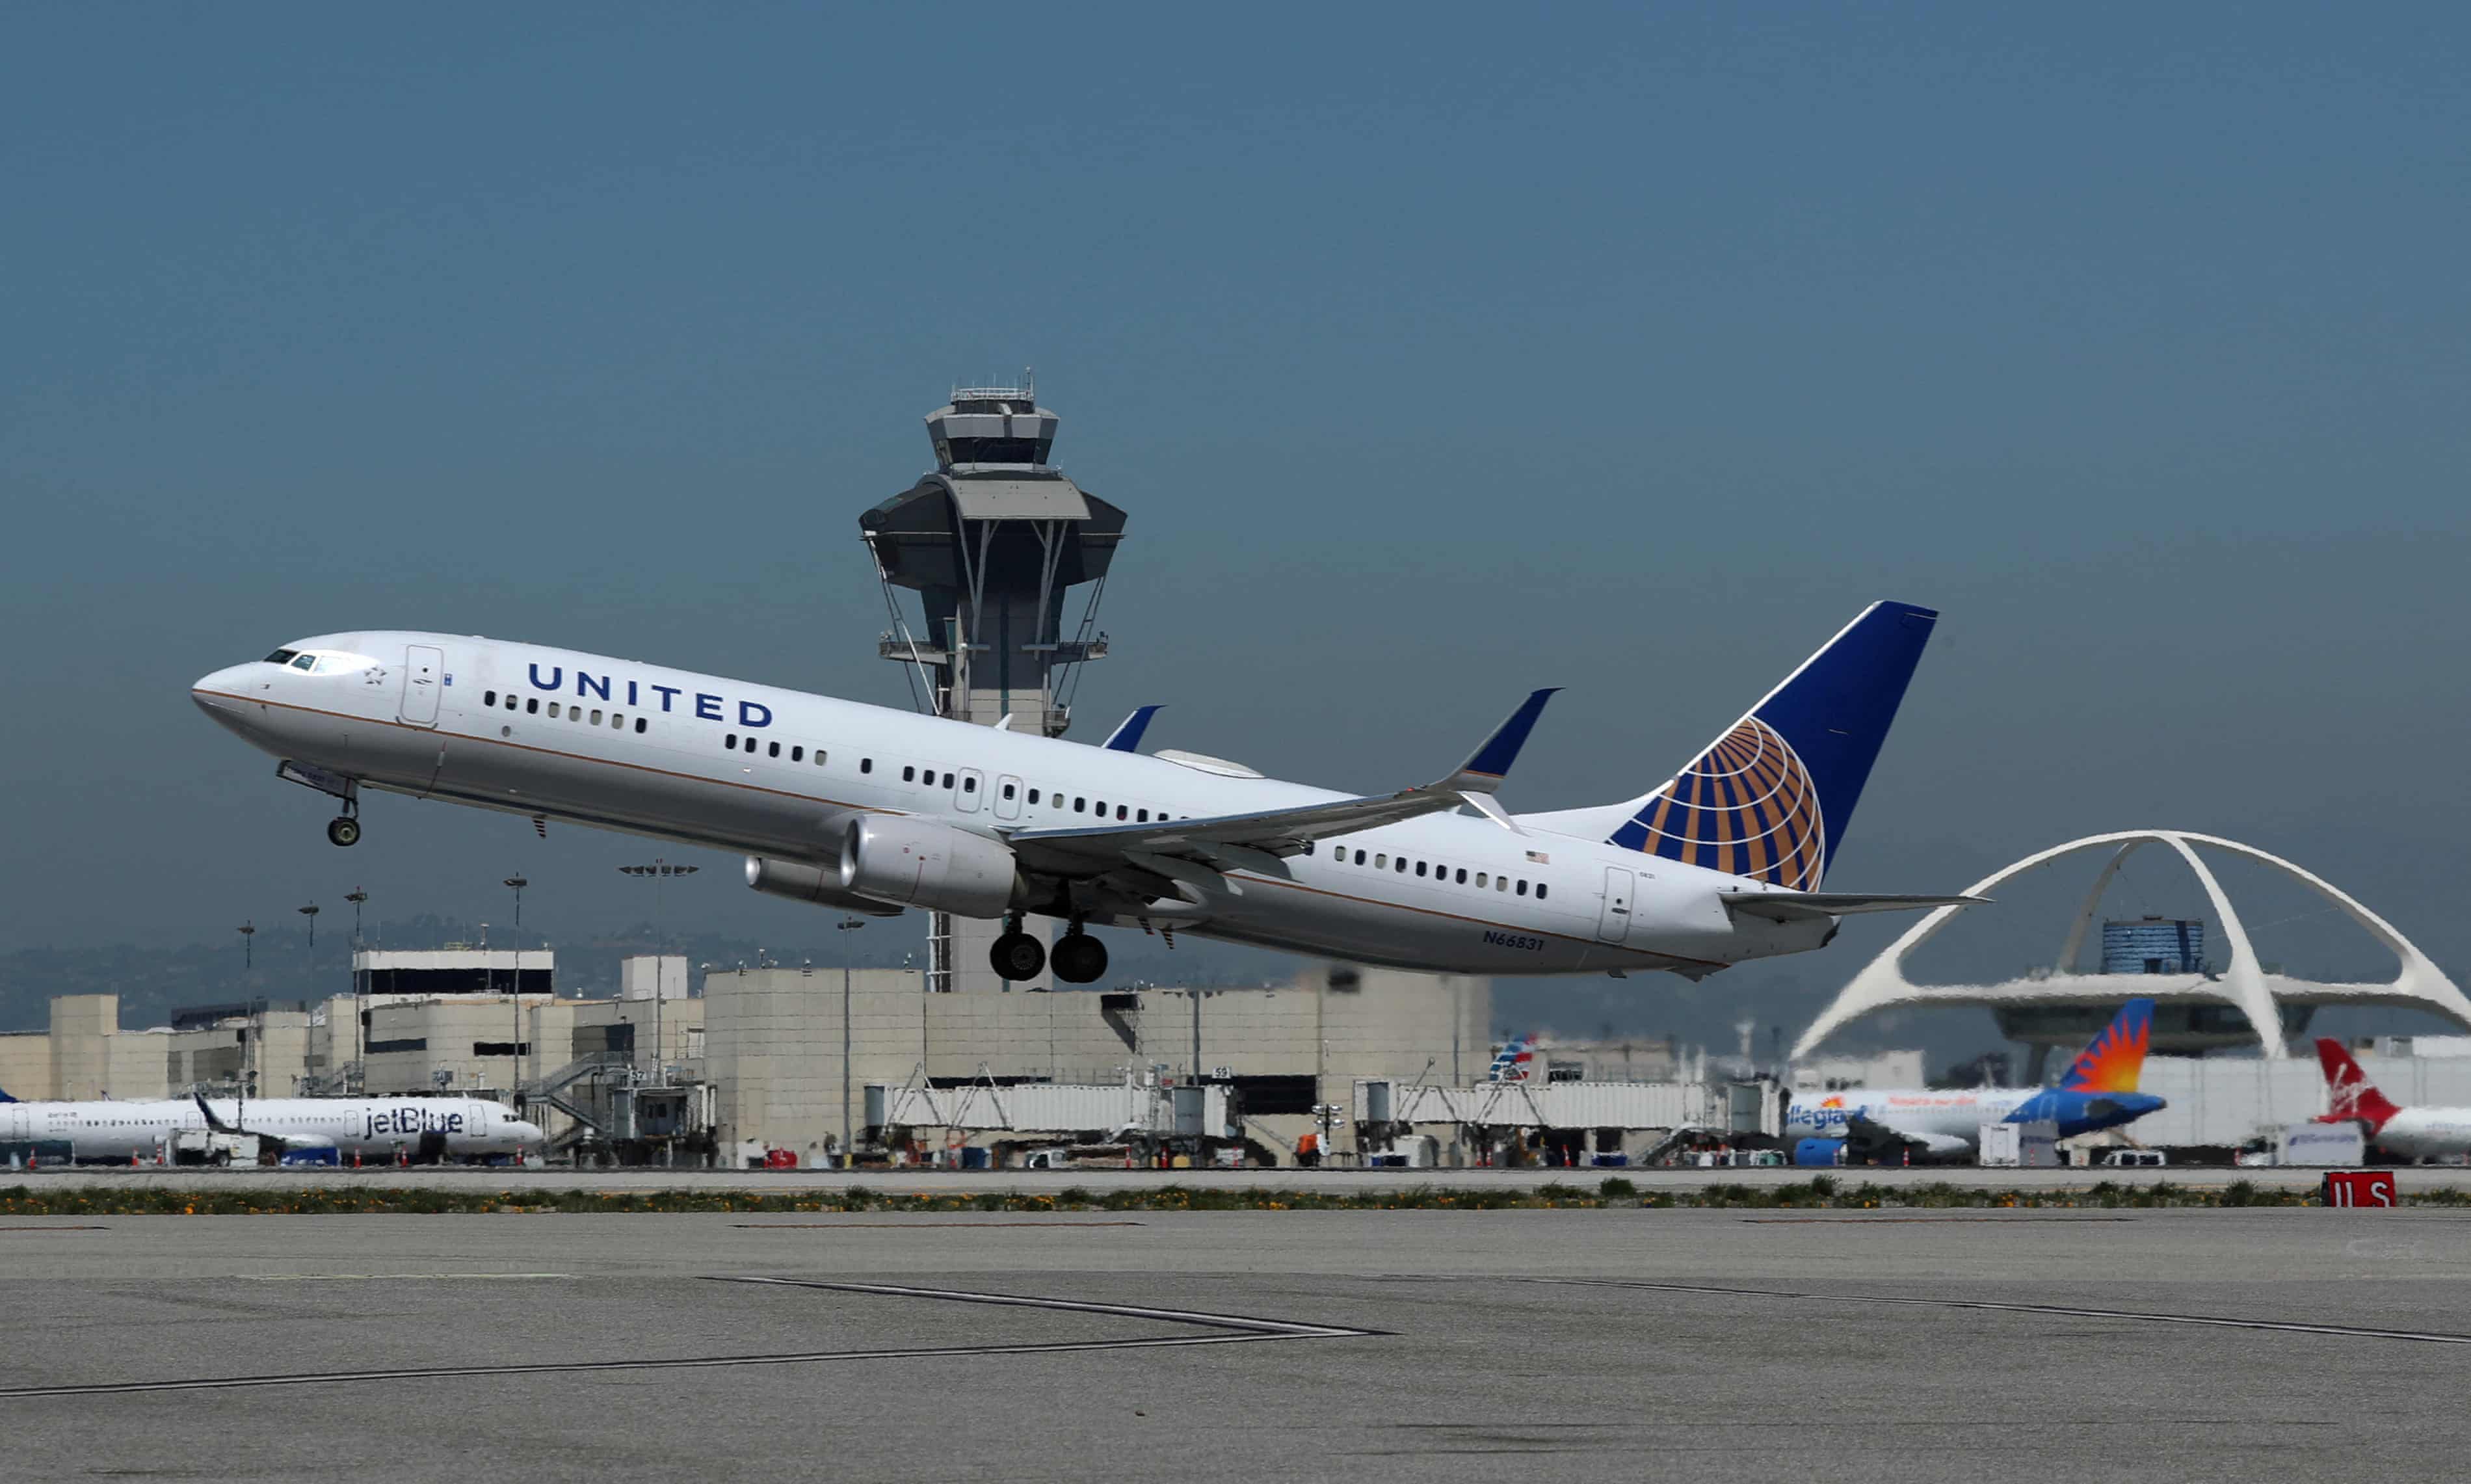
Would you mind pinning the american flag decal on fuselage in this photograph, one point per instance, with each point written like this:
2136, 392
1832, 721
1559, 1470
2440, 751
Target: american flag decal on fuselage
1747, 807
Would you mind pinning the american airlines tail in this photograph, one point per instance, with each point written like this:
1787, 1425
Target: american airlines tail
1769, 798
2353, 1096
2115, 1059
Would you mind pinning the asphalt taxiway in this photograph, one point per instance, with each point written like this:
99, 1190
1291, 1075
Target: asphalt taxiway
2288, 1343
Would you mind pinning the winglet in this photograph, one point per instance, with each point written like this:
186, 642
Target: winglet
1483, 772
1127, 735
213, 1122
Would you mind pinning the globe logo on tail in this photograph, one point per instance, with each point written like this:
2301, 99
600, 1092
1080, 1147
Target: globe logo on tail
1747, 807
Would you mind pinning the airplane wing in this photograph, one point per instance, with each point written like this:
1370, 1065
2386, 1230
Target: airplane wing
1871, 1136
1193, 851
1798, 905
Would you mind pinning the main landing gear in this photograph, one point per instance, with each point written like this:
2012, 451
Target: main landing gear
1080, 959
1015, 955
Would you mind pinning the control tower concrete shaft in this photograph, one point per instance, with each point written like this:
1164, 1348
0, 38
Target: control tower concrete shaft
993, 541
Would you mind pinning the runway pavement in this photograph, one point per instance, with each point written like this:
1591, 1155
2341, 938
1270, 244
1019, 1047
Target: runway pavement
2247, 1344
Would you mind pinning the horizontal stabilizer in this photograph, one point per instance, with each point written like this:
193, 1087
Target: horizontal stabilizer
1795, 905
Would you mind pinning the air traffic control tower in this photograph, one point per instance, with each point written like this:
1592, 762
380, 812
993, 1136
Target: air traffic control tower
993, 541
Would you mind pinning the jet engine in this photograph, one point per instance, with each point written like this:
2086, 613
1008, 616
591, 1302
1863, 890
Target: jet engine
800, 882
895, 857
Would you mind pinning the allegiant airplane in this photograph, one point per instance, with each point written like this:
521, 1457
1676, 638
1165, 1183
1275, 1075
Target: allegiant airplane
2099, 1092
868, 809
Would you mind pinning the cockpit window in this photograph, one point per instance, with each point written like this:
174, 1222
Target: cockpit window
305, 662
281, 657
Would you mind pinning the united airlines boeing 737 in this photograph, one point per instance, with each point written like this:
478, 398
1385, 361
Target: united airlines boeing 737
869, 809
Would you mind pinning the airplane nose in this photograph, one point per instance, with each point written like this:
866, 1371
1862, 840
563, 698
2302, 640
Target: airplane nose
219, 694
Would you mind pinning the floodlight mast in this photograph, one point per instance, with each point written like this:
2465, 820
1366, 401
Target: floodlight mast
992, 540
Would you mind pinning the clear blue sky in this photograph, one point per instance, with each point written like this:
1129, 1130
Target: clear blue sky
1437, 353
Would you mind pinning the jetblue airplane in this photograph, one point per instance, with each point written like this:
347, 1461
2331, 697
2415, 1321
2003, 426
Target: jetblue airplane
425, 1126
2099, 1092
868, 809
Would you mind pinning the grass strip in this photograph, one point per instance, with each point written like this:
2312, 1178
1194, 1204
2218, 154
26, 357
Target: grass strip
1823, 1193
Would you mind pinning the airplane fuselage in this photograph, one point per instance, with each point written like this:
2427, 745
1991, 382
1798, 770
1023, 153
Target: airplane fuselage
706, 761
108, 1129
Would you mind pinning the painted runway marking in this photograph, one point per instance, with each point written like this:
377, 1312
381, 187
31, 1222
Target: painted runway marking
1914, 1220
388, 1276
13, 1230
904, 1225
2061, 1311
1229, 1330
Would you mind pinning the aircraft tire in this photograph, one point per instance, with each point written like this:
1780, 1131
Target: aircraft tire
1079, 959
1017, 957
343, 830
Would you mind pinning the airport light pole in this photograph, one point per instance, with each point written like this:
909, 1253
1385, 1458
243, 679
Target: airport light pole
311, 913
359, 1079
248, 949
518, 883
659, 871
846, 925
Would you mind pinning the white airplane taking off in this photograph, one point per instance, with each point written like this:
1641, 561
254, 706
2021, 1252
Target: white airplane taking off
422, 1127
869, 809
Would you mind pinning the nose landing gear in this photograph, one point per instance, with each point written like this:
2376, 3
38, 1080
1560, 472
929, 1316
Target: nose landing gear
343, 830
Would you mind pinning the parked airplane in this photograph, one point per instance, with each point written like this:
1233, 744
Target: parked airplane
419, 1127
2098, 1091
863, 808
2404, 1133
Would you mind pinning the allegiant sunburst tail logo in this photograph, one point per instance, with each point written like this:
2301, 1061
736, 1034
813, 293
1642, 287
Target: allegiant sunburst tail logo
1747, 807
2116, 1058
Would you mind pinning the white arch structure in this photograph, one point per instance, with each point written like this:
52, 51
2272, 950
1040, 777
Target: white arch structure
1882, 985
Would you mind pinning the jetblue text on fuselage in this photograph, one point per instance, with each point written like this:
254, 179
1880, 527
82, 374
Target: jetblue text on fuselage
751, 715
408, 1120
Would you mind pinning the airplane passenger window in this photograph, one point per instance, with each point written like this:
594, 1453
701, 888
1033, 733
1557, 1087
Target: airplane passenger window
1480, 879
1523, 887
531, 706
488, 698
617, 721
1142, 815
640, 723
773, 750
1007, 790
1119, 811
948, 780
1402, 865
596, 716
510, 701
730, 741
1080, 804
819, 757
1501, 883
1462, 876
1380, 861
797, 754
1420, 868
1540, 891
969, 785
553, 711
1033, 795
866, 764
909, 773
1359, 857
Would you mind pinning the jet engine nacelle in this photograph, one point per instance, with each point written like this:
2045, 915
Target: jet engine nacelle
802, 883
895, 857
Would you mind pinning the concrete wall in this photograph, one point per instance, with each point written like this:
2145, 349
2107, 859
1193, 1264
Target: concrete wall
773, 1039
26, 1065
